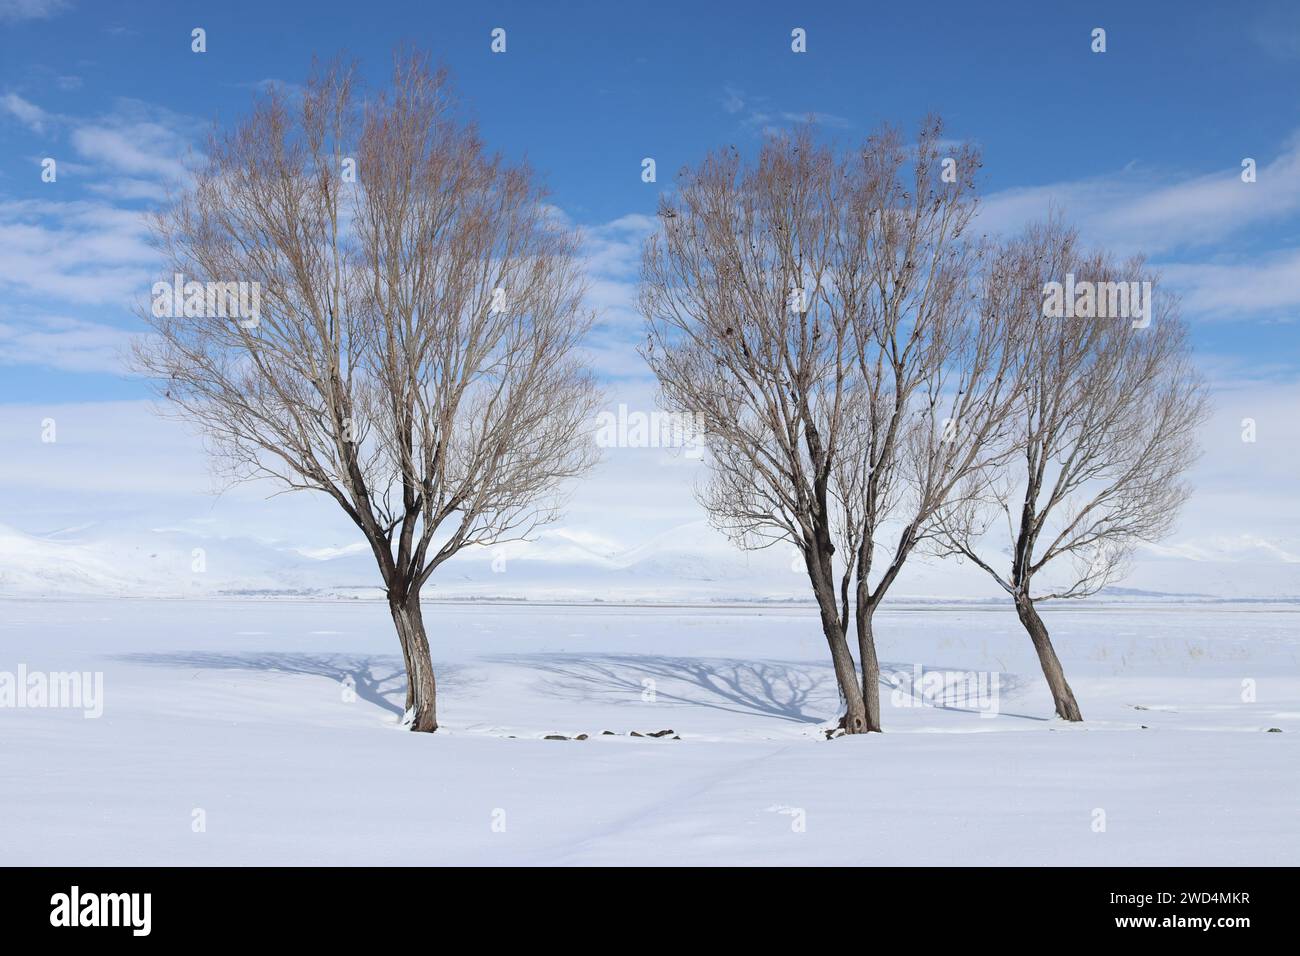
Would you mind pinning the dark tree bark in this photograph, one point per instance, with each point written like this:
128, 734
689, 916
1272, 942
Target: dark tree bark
421, 687
870, 663
846, 674
1066, 707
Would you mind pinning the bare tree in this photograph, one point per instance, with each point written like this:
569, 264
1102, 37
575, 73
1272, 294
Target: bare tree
935, 367
414, 356
746, 334
816, 314
1106, 428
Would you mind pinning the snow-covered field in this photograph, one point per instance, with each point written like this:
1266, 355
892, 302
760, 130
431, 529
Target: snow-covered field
227, 738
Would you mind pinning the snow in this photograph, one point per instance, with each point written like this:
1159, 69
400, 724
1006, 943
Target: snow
236, 708
119, 504
688, 562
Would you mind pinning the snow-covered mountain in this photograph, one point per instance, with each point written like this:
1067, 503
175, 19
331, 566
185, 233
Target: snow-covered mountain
632, 530
691, 562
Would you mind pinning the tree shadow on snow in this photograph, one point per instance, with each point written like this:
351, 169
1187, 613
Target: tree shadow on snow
901, 678
784, 690
379, 679
767, 688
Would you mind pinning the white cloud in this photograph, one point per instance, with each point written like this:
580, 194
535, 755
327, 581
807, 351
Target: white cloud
759, 113
59, 254
118, 457
139, 140
134, 138
27, 113
1268, 286
67, 344
1178, 222
129, 189
613, 265
106, 455
119, 150
614, 248
85, 253
14, 10
1156, 211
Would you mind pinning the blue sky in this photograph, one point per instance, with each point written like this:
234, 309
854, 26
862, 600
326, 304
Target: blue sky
586, 90
1140, 145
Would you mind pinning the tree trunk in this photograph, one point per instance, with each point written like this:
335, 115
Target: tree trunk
870, 666
421, 689
1066, 707
408, 669
846, 675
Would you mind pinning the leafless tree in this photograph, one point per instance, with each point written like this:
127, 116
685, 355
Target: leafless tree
935, 365
817, 314
1106, 428
415, 353
747, 335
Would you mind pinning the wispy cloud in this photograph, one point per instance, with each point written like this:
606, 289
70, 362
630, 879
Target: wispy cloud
1182, 224
78, 252
16, 10
134, 138
293, 92
1277, 32
760, 114
128, 189
92, 251
1156, 210
27, 113
612, 261
1265, 287
59, 342
138, 139
117, 149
